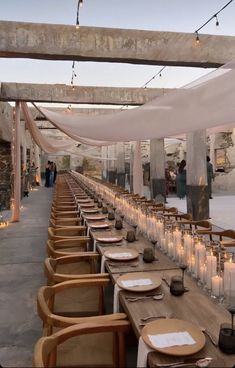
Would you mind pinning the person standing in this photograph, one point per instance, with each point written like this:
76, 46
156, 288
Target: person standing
47, 174
210, 176
181, 180
55, 172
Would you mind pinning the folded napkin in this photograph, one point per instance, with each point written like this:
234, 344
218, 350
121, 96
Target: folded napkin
139, 282
116, 298
171, 339
121, 255
142, 355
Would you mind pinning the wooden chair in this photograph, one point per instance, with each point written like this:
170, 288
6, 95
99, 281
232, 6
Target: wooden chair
65, 247
72, 207
171, 210
60, 305
61, 233
60, 222
178, 216
65, 214
71, 267
218, 235
89, 344
195, 225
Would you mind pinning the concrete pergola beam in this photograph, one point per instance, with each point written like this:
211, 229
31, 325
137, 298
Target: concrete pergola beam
62, 93
65, 42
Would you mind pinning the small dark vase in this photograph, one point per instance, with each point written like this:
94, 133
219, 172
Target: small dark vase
118, 224
111, 216
99, 205
148, 255
130, 236
104, 209
177, 286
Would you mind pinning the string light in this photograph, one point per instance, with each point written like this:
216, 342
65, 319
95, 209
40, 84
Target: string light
158, 73
197, 39
214, 16
80, 3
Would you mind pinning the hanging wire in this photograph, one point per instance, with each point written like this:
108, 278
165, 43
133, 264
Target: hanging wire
158, 73
214, 16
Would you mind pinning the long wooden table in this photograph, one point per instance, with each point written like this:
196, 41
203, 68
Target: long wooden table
195, 305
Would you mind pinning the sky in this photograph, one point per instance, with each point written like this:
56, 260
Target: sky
159, 15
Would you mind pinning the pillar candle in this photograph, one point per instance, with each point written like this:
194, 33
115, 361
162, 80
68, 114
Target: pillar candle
216, 285
211, 265
188, 248
228, 265
200, 253
202, 273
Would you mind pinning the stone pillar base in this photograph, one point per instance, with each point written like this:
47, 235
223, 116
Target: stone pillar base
198, 202
158, 189
121, 179
112, 175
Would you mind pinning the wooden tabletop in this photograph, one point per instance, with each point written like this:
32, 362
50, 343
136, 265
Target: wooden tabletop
195, 305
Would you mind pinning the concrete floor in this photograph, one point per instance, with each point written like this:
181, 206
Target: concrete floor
22, 252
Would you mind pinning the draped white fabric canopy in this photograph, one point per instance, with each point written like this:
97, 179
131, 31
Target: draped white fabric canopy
46, 144
206, 103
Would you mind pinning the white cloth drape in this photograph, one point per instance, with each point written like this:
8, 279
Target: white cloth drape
137, 170
206, 103
72, 133
46, 144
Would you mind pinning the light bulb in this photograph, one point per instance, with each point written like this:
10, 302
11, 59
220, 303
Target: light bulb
77, 26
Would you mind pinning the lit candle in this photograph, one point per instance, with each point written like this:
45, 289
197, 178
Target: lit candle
216, 284
211, 265
202, 273
188, 248
228, 265
200, 253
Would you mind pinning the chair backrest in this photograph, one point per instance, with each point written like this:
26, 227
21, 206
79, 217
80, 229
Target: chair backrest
170, 210
71, 207
60, 222
64, 247
70, 267
65, 232
65, 214
86, 344
71, 299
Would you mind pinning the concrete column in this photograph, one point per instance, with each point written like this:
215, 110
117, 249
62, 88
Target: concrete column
212, 149
121, 164
37, 163
197, 189
131, 165
104, 163
157, 170
23, 144
112, 172
17, 168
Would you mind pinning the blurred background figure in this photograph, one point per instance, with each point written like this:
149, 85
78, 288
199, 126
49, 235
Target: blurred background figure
210, 176
181, 180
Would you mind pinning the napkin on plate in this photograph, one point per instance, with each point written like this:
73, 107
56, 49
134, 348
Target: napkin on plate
139, 282
167, 340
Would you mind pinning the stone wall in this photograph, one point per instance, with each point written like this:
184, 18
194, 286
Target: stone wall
5, 177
